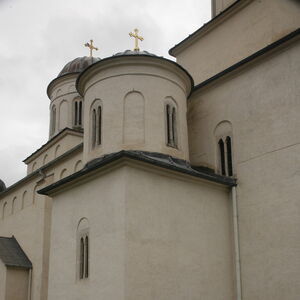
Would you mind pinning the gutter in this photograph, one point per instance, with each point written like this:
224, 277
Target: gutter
237, 260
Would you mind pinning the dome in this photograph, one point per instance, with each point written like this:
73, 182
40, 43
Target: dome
2, 186
78, 64
133, 52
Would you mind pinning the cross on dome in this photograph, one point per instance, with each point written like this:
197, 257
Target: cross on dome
137, 38
91, 46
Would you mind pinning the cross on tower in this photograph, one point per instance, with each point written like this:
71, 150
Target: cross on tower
137, 38
91, 46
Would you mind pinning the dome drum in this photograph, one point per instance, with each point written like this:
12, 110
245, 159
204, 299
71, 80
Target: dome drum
126, 98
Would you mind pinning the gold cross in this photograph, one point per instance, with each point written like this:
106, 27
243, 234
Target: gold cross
91, 46
137, 38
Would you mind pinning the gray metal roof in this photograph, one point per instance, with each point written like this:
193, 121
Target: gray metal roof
78, 64
12, 254
134, 52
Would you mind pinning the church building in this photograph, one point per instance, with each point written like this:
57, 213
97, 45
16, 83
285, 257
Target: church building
166, 180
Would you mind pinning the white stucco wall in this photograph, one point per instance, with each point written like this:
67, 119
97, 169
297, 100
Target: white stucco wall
178, 235
152, 236
262, 104
102, 202
2, 280
17, 284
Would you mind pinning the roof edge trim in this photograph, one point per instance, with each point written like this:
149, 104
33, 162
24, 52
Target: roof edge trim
134, 155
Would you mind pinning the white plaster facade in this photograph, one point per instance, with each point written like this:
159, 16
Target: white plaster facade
157, 227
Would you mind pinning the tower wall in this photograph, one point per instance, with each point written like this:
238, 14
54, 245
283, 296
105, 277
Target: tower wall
63, 94
133, 93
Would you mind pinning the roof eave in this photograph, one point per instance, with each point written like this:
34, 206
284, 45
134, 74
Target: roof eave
90, 168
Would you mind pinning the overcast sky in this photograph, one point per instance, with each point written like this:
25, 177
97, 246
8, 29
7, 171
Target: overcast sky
38, 37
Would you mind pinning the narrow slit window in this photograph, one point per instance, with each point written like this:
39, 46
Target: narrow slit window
53, 119
86, 263
94, 122
168, 125
76, 114
81, 258
171, 127
222, 156
174, 133
229, 156
80, 113
99, 127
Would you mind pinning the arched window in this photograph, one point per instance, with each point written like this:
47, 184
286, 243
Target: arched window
224, 161
53, 120
225, 156
96, 124
171, 125
77, 113
83, 249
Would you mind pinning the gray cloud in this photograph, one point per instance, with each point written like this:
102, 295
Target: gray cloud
38, 37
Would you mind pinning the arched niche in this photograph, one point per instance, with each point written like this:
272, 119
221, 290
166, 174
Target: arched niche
45, 159
25, 199
4, 210
57, 151
78, 166
34, 166
63, 173
134, 118
14, 205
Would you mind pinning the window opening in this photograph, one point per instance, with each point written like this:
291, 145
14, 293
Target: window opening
86, 269
222, 156
94, 118
99, 115
81, 263
171, 126
80, 113
229, 156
